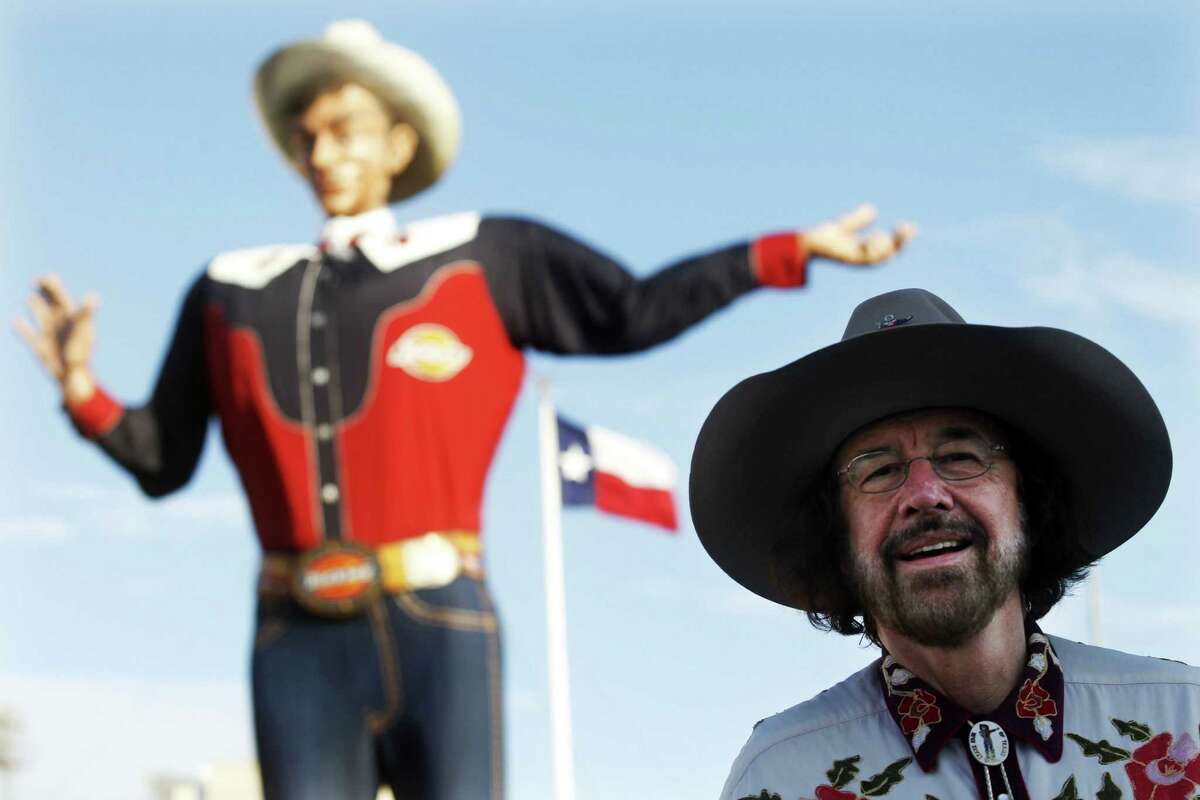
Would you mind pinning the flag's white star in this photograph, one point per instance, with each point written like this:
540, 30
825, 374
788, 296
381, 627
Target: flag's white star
574, 464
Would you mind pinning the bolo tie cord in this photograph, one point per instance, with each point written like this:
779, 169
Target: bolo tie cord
987, 778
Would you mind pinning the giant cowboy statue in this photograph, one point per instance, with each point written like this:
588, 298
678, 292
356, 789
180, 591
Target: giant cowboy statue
362, 383
937, 486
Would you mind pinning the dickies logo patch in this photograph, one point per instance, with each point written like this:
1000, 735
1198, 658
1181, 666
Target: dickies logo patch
429, 352
336, 579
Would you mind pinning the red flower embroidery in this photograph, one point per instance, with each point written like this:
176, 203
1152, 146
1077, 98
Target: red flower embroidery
1162, 770
917, 709
1034, 701
830, 793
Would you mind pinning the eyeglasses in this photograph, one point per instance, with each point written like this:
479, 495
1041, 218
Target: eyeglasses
958, 460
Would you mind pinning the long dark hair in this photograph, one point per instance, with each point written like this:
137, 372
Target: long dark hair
813, 572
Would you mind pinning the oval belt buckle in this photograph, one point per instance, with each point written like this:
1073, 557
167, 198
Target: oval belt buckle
989, 743
336, 579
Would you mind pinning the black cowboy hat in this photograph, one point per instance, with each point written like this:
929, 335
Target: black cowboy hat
772, 435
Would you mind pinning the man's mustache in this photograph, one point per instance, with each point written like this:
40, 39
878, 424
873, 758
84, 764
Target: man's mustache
967, 526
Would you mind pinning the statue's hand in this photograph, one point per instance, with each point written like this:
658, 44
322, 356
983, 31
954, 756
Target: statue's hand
62, 336
843, 239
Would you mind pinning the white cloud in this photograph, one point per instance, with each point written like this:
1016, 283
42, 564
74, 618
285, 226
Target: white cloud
1161, 617
103, 739
120, 511
1147, 169
1057, 263
1102, 281
67, 491
739, 602
725, 598
227, 509
1149, 289
35, 526
525, 700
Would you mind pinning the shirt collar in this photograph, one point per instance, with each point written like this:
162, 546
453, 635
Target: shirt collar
340, 235
1032, 711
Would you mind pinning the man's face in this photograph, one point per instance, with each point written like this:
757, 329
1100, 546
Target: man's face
350, 150
933, 559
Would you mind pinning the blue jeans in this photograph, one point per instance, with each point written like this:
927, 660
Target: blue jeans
407, 695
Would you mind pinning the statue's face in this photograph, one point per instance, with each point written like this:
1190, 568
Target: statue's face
350, 149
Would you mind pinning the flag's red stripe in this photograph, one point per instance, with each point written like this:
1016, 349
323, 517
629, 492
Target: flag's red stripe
655, 506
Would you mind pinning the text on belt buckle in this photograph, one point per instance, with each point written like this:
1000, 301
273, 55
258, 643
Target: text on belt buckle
336, 579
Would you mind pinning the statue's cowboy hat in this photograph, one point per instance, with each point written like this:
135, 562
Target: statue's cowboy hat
772, 435
354, 52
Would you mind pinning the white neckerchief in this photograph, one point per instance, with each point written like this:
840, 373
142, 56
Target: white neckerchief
340, 234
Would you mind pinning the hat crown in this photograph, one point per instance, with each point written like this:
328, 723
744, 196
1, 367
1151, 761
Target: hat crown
351, 32
900, 308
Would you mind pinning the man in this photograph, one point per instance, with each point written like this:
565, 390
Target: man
362, 386
937, 486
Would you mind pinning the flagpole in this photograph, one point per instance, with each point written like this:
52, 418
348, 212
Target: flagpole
1095, 633
556, 615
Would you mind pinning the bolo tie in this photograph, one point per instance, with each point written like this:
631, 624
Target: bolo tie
988, 744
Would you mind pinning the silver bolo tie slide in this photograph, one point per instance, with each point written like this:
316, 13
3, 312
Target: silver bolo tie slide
988, 744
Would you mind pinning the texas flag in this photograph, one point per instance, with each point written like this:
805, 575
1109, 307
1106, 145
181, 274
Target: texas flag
616, 474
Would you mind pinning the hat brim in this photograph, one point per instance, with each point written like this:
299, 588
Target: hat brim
771, 435
407, 84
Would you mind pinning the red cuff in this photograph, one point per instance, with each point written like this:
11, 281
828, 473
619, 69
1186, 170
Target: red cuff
98, 415
780, 259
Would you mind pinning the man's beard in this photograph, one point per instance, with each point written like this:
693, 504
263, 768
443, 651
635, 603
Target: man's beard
940, 606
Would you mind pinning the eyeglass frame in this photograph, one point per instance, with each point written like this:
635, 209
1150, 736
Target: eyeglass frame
997, 451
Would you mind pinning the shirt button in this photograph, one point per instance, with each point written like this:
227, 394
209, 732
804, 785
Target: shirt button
330, 493
324, 432
320, 376
318, 319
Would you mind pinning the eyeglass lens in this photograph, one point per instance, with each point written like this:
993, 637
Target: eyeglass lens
957, 460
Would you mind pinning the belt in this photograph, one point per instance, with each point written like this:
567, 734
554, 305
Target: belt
338, 578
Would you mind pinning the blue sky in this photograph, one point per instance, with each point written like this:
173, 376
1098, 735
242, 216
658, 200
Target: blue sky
1050, 157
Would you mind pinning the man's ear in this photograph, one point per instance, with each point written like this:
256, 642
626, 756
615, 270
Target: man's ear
402, 142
